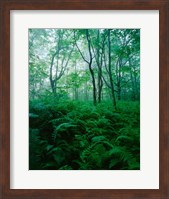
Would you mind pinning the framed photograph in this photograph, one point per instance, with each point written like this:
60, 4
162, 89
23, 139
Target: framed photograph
84, 92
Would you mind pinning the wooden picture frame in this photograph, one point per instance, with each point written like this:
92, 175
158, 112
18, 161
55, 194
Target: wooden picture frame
5, 7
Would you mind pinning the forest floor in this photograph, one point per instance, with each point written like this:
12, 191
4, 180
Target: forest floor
76, 135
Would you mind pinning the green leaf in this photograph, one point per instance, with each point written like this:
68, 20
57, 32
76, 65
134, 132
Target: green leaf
98, 138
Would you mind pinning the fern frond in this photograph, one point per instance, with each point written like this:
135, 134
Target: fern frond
98, 138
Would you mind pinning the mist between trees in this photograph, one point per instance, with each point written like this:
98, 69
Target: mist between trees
84, 98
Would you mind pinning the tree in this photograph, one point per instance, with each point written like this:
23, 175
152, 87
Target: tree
127, 50
95, 64
37, 65
98, 50
89, 62
60, 59
109, 67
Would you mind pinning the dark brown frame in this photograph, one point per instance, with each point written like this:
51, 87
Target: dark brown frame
5, 7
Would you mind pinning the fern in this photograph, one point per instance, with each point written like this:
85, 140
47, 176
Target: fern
73, 135
64, 127
98, 138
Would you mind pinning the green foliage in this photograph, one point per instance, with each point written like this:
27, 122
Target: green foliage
84, 90
73, 135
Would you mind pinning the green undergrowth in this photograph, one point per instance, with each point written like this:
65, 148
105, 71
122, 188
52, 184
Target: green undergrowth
74, 135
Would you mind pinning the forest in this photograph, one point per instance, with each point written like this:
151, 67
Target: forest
84, 99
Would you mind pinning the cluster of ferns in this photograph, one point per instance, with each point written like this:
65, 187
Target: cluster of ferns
73, 135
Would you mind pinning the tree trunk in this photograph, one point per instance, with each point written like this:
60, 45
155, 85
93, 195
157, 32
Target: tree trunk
89, 64
119, 80
110, 71
99, 65
90, 68
132, 82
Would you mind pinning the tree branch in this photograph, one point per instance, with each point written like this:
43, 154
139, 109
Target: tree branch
80, 50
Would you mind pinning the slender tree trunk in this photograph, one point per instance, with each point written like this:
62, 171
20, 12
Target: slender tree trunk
90, 68
136, 90
119, 81
94, 84
89, 64
132, 81
110, 71
99, 65
76, 93
100, 86
86, 92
